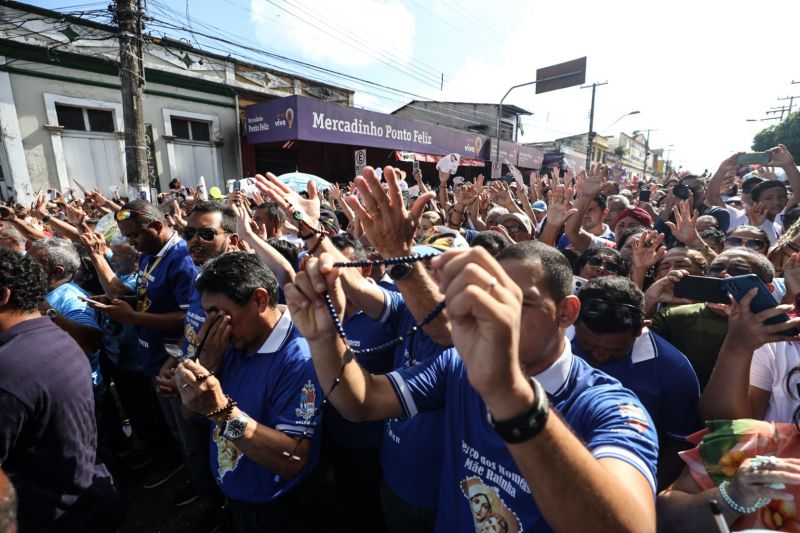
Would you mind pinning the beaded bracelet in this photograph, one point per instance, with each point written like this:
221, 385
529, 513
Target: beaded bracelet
228, 407
741, 509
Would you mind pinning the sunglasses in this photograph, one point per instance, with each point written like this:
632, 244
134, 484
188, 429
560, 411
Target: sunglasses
714, 271
609, 316
753, 244
207, 234
125, 214
609, 266
513, 229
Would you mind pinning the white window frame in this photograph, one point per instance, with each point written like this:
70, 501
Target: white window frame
170, 139
50, 101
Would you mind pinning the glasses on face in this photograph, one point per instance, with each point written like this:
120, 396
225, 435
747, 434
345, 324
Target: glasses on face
512, 229
609, 266
125, 214
609, 316
715, 271
753, 244
207, 234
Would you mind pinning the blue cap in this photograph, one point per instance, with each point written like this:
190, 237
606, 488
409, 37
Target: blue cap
539, 205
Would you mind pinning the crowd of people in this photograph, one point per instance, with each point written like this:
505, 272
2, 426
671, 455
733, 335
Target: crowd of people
488, 356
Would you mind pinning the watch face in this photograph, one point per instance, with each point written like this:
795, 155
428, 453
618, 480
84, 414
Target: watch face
235, 427
398, 272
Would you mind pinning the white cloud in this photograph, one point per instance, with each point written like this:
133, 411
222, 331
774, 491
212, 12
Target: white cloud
351, 33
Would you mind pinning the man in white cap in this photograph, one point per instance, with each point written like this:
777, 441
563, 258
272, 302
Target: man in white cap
518, 226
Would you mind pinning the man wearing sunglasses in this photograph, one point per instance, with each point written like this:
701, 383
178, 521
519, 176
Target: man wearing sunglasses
612, 334
699, 329
158, 310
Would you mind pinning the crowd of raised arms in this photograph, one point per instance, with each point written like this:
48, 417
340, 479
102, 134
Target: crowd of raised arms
566, 351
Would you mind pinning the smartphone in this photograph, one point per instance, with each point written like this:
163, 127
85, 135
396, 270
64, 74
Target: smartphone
738, 286
415, 165
577, 283
756, 158
237, 185
702, 289
681, 191
644, 193
89, 300
53, 196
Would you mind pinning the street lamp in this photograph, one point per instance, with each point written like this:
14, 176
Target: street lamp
620, 118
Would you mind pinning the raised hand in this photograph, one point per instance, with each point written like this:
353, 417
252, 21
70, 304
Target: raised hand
591, 185
200, 391
748, 331
685, 226
648, 250
791, 274
95, 243
292, 203
484, 306
780, 156
560, 208
663, 291
304, 298
756, 213
389, 226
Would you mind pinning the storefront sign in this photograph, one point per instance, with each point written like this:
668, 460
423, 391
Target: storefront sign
530, 157
360, 158
308, 119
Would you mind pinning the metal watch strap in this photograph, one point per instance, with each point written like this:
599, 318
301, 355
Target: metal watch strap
527, 425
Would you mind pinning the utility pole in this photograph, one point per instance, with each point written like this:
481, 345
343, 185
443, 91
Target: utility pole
590, 136
782, 110
131, 74
646, 152
791, 101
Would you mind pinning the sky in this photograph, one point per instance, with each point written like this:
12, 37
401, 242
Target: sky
696, 71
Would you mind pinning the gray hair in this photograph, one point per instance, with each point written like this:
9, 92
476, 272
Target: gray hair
59, 252
619, 198
13, 233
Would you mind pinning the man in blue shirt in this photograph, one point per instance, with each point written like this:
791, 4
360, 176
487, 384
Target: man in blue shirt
264, 401
508, 464
158, 307
611, 334
63, 303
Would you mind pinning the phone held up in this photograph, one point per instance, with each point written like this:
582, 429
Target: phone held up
716, 290
755, 158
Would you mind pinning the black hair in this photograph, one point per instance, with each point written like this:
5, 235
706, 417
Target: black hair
348, 240
236, 276
143, 206
611, 252
691, 177
24, 278
759, 263
228, 221
342, 219
493, 241
287, 250
764, 186
614, 290
558, 272
602, 200
273, 211
714, 234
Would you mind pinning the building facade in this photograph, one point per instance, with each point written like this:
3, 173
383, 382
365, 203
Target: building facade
61, 118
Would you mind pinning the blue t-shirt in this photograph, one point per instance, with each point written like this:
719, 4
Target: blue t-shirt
276, 387
663, 380
413, 450
120, 341
64, 299
195, 318
480, 480
167, 290
363, 332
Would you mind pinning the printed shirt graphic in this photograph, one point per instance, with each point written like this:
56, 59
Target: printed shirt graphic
413, 450
195, 318
276, 387
725, 444
481, 488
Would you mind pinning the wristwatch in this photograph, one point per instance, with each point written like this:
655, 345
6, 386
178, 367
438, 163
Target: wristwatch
52, 313
528, 424
399, 271
233, 429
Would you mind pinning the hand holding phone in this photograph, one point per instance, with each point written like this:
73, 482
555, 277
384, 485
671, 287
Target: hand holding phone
762, 300
756, 158
94, 301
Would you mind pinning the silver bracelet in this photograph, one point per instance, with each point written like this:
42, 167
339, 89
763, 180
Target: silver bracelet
741, 509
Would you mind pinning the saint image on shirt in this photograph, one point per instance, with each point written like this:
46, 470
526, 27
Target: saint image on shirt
489, 512
228, 455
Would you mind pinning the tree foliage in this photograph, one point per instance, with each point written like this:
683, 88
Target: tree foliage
786, 133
